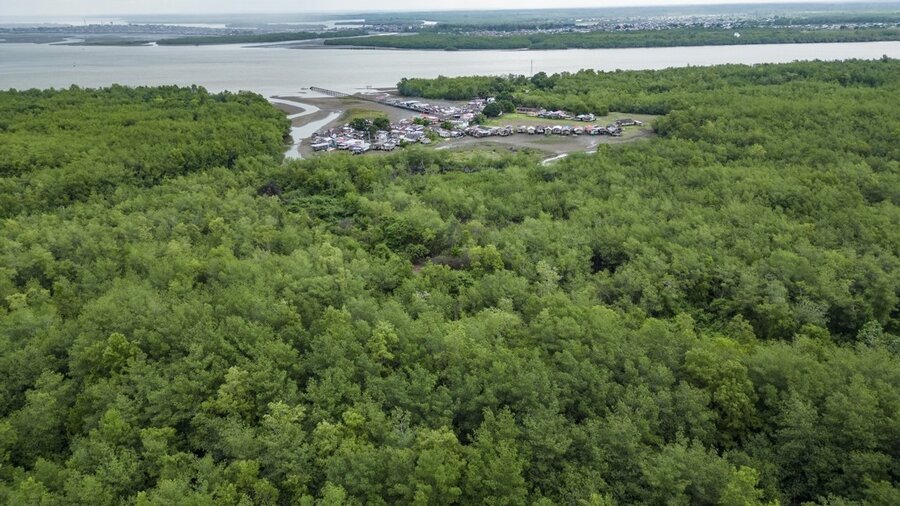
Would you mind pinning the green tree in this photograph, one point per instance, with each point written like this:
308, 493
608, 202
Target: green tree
382, 123
494, 470
492, 110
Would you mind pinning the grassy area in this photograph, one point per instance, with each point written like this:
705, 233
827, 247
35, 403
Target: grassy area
356, 113
633, 132
546, 145
356, 108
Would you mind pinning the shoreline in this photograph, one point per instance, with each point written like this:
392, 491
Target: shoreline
316, 44
323, 107
530, 49
339, 109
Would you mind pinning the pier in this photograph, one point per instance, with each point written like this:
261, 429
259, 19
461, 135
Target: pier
389, 103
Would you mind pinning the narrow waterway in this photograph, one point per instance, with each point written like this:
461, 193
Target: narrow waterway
552, 159
301, 133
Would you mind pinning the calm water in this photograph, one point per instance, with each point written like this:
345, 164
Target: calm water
272, 71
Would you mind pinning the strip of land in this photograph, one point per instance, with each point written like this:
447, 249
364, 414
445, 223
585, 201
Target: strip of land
258, 38
630, 39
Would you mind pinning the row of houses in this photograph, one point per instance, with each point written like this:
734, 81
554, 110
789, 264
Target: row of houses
614, 129
465, 112
564, 130
558, 115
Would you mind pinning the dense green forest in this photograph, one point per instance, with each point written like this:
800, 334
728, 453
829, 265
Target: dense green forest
257, 38
63, 147
643, 38
708, 317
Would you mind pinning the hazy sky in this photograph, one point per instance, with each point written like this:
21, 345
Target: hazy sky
53, 8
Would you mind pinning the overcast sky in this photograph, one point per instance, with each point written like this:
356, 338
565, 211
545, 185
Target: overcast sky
54, 8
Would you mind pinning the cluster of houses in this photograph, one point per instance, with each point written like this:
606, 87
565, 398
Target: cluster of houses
358, 142
445, 122
543, 113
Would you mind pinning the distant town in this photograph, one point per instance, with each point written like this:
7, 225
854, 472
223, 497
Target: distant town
139, 30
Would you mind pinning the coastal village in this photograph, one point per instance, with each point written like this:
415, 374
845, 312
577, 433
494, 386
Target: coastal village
434, 122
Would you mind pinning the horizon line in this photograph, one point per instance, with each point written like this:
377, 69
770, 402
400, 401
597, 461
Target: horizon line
687, 3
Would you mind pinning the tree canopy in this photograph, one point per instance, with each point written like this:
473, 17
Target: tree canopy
708, 317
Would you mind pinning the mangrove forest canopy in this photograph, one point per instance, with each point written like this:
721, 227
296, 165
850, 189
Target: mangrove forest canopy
707, 317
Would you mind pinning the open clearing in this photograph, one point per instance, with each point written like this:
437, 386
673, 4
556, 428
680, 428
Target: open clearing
351, 107
552, 144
